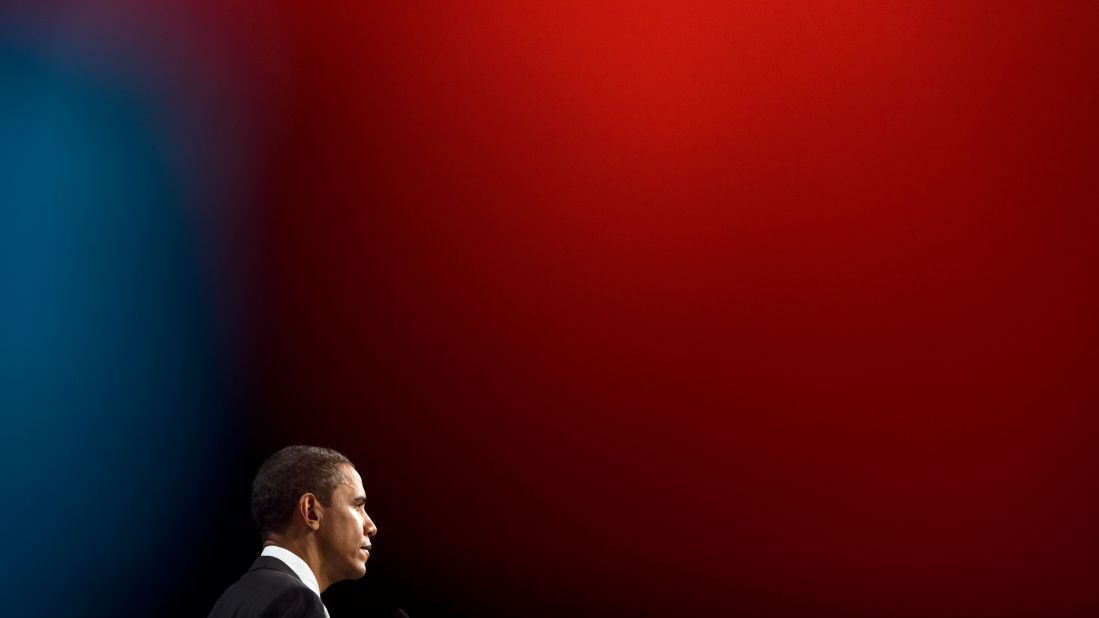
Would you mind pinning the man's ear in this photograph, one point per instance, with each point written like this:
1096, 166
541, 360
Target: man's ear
309, 508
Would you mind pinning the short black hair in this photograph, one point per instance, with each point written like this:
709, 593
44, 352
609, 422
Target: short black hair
286, 476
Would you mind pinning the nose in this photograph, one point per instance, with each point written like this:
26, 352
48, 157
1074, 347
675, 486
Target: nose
369, 529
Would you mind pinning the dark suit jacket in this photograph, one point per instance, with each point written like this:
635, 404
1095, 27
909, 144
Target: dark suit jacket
268, 589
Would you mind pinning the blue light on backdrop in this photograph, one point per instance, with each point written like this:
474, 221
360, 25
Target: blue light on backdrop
108, 363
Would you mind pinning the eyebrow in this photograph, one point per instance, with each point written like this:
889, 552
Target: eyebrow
360, 499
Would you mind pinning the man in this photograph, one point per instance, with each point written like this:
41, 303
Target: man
309, 505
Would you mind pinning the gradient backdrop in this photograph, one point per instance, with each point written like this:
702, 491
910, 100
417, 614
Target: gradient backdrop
646, 309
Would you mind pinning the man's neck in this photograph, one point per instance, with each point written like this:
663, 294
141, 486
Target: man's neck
304, 549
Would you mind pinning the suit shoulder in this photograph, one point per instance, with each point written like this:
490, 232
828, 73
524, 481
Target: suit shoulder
266, 592
295, 602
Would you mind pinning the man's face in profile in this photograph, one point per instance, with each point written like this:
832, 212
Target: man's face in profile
346, 529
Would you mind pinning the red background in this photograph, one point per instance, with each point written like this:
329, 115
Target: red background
650, 308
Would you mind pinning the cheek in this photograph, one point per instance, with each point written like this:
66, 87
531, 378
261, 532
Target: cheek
357, 523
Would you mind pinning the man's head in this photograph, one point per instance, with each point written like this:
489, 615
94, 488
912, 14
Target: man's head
311, 501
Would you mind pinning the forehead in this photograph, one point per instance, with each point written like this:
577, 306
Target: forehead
351, 483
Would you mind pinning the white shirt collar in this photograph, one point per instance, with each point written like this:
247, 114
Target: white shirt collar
296, 564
